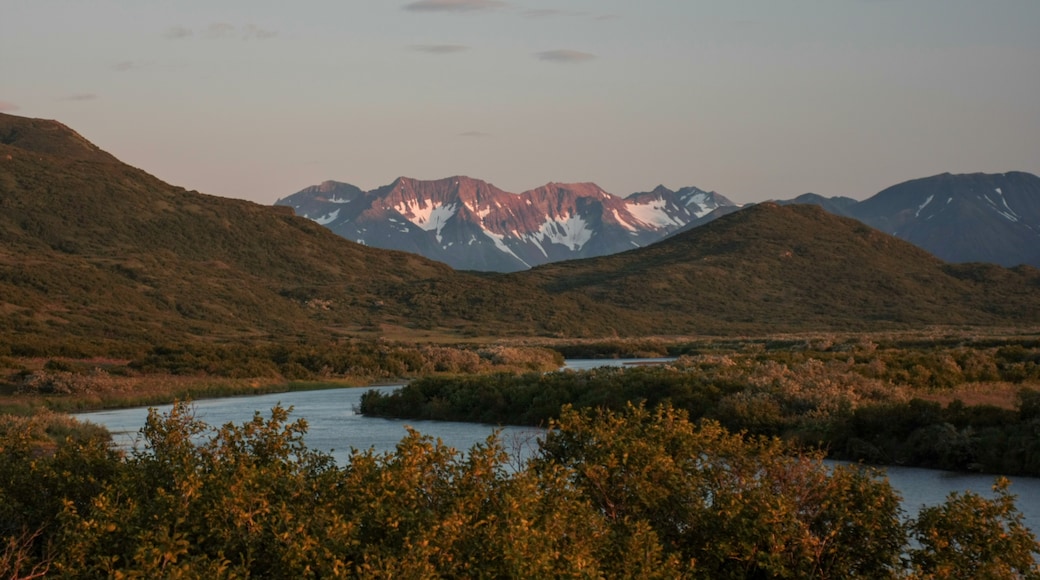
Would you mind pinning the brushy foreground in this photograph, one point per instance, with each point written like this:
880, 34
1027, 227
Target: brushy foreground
642, 493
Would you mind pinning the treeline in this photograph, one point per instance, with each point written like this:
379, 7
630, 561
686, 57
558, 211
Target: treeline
878, 406
637, 493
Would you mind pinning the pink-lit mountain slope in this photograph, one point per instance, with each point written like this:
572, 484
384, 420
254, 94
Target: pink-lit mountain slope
472, 225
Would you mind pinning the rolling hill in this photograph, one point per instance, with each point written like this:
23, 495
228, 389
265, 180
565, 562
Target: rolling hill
97, 256
93, 249
790, 267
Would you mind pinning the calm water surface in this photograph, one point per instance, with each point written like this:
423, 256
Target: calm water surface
335, 427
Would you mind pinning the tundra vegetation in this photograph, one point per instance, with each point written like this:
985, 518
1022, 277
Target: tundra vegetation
960, 405
635, 493
707, 467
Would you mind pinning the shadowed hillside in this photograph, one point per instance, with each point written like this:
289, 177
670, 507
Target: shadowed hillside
771, 267
95, 254
90, 246
973, 217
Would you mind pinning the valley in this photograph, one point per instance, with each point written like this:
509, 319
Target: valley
798, 332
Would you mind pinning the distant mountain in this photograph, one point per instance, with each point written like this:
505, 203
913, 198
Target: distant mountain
472, 225
836, 205
974, 217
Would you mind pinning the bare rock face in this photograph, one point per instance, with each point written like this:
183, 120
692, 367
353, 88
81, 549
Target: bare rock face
472, 225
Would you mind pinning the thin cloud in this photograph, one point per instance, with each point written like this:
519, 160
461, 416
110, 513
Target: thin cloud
538, 13
222, 31
178, 32
80, 97
475, 134
453, 5
564, 55
8, 106
254, 32
439, 48
219, 30
546, 13
127, 65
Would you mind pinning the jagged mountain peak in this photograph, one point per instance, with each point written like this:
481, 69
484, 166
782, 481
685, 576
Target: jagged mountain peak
471, 224
569, 190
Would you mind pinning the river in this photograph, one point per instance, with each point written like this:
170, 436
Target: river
334, 427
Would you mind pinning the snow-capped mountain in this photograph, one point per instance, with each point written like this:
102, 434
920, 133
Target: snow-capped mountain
472, 225
974, 217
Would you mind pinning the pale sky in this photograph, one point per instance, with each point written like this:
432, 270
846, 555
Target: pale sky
755, 99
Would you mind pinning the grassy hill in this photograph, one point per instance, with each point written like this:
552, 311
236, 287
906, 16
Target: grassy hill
771, 267
96, 256
92, 248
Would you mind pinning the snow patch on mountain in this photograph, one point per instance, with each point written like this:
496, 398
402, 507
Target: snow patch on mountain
703, 203
653, 214
924, 205
327, 218
1008, 215
502, 247
572, 232
430, 216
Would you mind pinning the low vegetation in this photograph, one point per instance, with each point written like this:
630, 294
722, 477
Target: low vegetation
633, 493
199, 370
964, 404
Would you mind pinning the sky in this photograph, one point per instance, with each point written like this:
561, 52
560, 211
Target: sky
754, 99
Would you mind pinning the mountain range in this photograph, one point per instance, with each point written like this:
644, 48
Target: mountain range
472, 225
97, 257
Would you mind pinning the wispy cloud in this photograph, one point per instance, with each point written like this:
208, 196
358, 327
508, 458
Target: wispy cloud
252, 31
554, 13
178, 32
453, 5
439, 48
221, 31
547, 13
79, 97
564, 55
8, 106
127, 65
475, 134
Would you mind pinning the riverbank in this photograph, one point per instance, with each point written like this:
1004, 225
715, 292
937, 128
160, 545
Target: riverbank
157, 390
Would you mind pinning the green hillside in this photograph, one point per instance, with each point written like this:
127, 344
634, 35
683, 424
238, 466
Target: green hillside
771, 267
93, 248
95, 254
